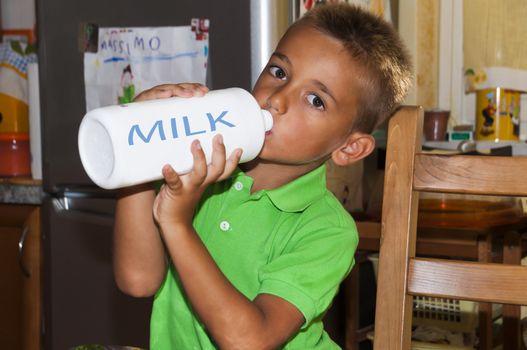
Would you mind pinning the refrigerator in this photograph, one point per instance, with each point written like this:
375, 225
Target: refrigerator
81, 303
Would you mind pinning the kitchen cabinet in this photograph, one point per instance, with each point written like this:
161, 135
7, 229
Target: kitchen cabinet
82, 304
58, 291
20, 276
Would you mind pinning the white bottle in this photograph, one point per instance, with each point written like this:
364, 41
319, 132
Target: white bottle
128, 144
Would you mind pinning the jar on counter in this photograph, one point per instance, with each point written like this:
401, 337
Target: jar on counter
15, 159
498, 115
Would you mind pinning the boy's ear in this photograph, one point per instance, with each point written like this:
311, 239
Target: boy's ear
356, 147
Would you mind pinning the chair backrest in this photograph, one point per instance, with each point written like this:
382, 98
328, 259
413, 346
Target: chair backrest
401, 275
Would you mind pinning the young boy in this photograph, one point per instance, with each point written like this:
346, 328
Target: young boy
251, 257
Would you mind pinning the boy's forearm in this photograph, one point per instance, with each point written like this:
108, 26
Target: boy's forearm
228, 315
139, 256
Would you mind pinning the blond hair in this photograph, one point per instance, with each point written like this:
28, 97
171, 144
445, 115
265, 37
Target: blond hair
376, 47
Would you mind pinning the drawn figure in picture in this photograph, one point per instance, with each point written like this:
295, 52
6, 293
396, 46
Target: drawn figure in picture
127, 84
488, 114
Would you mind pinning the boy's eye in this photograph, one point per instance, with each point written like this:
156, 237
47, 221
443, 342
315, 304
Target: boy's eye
277, 72
316, 101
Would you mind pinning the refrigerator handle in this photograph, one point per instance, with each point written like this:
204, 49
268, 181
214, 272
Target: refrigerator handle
21, 243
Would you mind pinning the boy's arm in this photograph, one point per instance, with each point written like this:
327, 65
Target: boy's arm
139, 256
232, 320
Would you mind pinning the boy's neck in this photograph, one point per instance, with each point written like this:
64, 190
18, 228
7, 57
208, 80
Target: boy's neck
267, 176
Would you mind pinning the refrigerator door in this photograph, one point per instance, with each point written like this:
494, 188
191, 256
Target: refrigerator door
269, 21
82, 304
62, 92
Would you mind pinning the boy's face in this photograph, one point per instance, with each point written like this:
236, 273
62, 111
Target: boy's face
310, 86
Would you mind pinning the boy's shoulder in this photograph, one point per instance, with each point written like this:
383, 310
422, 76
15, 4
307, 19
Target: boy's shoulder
329, 208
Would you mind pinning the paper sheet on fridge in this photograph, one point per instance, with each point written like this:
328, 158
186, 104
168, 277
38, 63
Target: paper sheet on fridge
131, 60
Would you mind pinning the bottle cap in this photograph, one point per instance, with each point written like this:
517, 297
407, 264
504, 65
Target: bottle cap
268, 119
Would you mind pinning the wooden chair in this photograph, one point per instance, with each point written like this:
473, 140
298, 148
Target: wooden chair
452, 238
401, 275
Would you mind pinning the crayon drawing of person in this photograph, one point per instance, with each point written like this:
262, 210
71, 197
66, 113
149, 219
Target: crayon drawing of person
127, 86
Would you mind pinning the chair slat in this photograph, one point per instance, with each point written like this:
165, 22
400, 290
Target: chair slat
468, 174
499, 283
393, 303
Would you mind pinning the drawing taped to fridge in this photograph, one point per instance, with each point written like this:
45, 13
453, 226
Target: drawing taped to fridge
131, 60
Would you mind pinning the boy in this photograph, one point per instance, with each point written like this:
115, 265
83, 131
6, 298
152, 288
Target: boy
251, 257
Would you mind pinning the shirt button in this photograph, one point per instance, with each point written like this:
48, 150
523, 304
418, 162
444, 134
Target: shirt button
238, 185
224, 225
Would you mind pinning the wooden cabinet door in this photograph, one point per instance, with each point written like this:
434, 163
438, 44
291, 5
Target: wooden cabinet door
20, 291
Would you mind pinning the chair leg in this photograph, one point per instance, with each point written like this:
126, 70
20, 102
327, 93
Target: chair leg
353, 333
485, 309
352, 309
511, 313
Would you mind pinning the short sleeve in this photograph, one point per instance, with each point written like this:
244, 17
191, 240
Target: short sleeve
315, 260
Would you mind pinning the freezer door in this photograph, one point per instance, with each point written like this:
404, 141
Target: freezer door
82, 304
62, 94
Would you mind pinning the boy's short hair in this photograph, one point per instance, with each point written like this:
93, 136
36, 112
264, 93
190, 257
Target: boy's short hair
375, 45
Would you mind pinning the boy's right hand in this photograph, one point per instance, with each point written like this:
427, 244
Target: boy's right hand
172, 90
175, 203
177, 199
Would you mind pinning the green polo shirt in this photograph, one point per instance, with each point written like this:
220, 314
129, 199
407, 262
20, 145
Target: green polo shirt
296, 242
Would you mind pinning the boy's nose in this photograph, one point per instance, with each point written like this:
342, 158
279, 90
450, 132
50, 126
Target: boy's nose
278, 100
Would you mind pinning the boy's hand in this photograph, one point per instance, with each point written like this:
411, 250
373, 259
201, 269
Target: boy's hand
175, 204
172, 90
158, 92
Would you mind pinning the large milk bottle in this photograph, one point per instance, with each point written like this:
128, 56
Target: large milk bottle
128, 144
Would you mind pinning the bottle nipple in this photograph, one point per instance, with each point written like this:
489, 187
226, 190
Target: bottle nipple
268, 119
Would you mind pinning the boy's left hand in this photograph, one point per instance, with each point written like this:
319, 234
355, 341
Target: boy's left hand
176, 202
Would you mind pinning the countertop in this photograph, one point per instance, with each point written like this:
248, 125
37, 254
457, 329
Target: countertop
518, 148
21, 190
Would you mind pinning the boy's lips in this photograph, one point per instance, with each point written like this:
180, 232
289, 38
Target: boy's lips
268, 132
